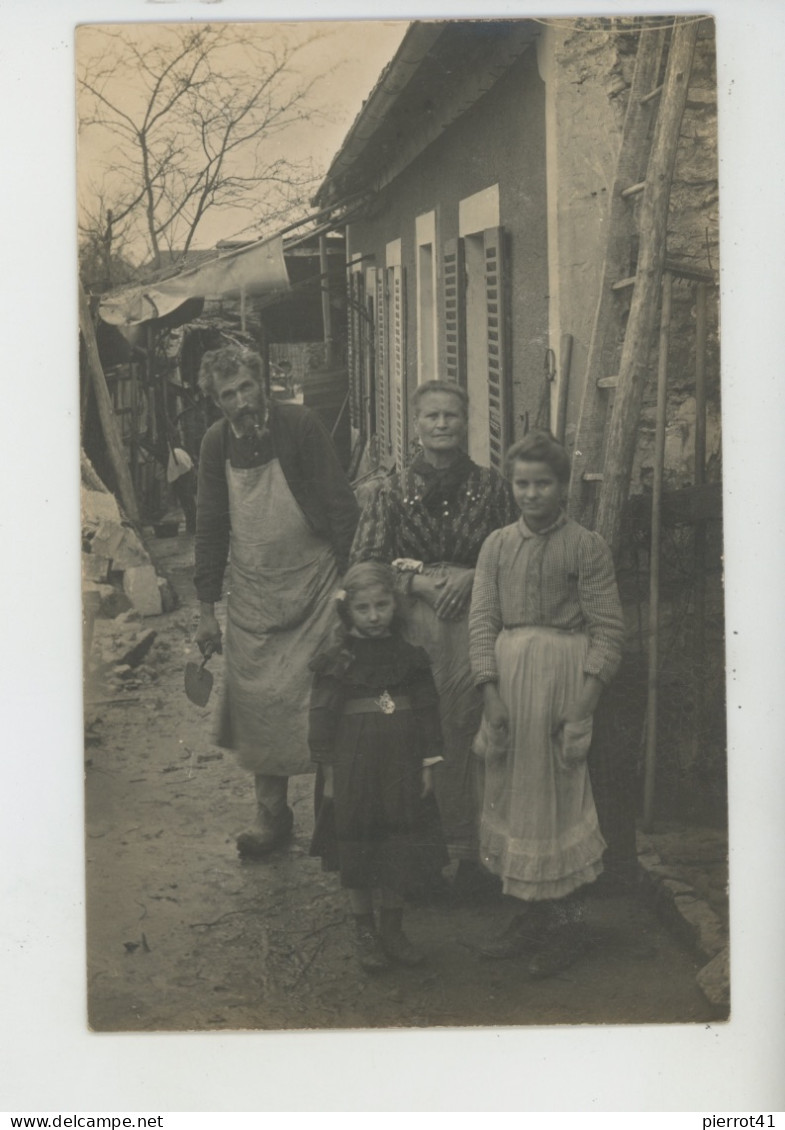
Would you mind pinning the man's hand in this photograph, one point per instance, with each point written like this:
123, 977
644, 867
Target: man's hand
329, 783
427, 781
208, 633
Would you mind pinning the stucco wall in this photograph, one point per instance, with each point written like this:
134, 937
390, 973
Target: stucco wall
499, 140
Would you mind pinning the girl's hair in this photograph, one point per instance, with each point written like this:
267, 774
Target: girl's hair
362, 576
225, 362
540, 447
441, 386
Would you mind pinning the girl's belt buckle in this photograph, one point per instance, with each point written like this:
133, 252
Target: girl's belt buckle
386, 703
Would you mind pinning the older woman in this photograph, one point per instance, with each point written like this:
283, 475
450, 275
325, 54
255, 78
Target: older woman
430, 521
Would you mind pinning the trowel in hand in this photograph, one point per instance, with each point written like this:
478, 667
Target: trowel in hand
198, 682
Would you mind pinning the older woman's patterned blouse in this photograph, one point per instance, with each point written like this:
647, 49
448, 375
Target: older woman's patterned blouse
452, 528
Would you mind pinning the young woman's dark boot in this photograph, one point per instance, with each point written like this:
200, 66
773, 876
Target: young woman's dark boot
523, 935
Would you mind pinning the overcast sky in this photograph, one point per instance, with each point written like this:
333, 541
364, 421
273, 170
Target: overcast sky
349, 56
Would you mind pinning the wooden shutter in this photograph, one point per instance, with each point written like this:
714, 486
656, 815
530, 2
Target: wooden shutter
498, 346
454, 312
369, 353
352, 345
399, 397
382, 422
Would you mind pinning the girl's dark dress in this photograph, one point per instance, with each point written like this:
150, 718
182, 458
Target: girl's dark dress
377, 829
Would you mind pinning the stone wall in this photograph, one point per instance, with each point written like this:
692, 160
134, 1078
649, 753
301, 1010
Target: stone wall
588, 70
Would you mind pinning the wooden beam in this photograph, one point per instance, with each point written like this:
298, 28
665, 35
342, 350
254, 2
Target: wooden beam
565, 364
650, 763
608, 325
699, 606
327, 319
633, 371
106, 414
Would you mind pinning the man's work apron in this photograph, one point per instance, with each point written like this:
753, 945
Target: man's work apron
280, 608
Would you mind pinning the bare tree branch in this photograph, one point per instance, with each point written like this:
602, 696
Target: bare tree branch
190, 117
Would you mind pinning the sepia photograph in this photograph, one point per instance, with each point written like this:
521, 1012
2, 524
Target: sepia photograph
401, 524
392, 658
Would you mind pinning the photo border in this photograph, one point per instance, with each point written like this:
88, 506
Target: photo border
52, 1062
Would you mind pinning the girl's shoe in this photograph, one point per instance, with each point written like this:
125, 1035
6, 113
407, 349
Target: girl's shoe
370, 951
400, 949
395, 943
563, 949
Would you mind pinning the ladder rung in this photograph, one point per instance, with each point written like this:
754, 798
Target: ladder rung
652, 94
592, 477
608, 382
622, 284
633, 190
686, 271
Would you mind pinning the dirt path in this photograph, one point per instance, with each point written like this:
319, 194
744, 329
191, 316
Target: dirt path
182, 935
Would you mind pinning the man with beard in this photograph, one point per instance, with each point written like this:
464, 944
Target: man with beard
274, 500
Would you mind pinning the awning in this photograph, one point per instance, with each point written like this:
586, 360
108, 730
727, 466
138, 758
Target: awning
256, 269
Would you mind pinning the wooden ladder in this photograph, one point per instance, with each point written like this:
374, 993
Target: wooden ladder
618, 361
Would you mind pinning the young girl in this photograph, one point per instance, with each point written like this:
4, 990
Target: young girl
546, 635
374, 729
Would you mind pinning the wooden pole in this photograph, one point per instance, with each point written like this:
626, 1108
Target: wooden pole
699, 630
633, 368
106, 414
565, 360
700, 384
654, 556
326, 309
133, 447
84, 403
608, 326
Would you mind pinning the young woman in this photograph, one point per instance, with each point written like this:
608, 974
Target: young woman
546, 633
